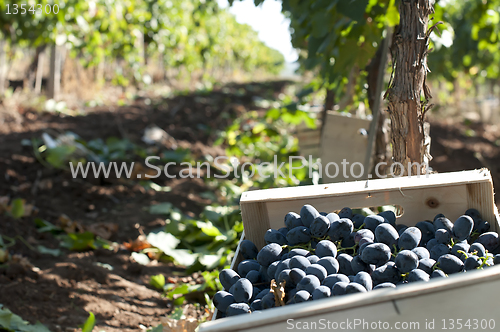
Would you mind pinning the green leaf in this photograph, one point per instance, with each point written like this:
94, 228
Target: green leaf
162, 208
44, 250
45, 226
78, 241
392, 14
158, 328
59, 155
178, 314
89, 324
17, 208
157, 281
354, 9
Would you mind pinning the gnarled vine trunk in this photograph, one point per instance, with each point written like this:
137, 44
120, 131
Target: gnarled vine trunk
410, 140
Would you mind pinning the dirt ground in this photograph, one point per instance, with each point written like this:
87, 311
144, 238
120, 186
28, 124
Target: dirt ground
61, 291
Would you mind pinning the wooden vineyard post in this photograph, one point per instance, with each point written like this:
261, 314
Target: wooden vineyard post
54, 84
406, 110
39, 72
3, 65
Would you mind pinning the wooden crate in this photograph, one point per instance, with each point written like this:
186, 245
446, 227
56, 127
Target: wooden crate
341, 139
309, 140
421, 199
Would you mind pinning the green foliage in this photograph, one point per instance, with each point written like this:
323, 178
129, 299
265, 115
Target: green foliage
10, 322
89, 324
157, 281
209, 287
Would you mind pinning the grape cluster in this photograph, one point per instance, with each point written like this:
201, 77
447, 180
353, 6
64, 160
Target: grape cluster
320, 255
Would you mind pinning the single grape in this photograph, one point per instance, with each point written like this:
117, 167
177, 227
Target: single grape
248, 249
262, 293
426, 265
427, 230
309, 283
363, 233
317, 270
322, 292
345, 213
222, 300
473, 213
269, 254
365, 280
292, 220
284, 231
384, 285
372, 221
386, 273
483, 226
406, 261
340, 229
357, 220
363, 243
489, 240
274, 236
284, 276
460, 246
376, 254
462, 228
432, 242
246, 266
326, 248
471, 263
283, 265
313, 259
418, 275
268, 301
330, 264
348, 242
298, 252
254, 276
271, 270
410, 238
302, 296
228, 278
307, 214
296, 275
345, 264
401, 228
496, 259
243, 289
438, 251
443, 223
387, 234
359, 265
299, 262
354, 287
255, 292
332, 216
298, 235
421, 252
438, 274
390, 216
332, 279
450, 264
319, 226
256, 305
477, 248
339, 288
264, 274
237, 309
443, 236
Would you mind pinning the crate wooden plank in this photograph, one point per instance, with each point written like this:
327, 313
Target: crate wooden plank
341, 140
420, 197
409, 303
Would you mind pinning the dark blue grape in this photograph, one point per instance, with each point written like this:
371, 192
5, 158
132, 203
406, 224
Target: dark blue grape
283, 265
298, 235
254, 276
478, 248
237, 309
401, 228
438, 274
345, 264
330, 264
473, 213
357, 220
345, 213
386, 273
496, 259
326, 248
296, 275
426, 265
307, 214
292, 220
463, 246
483, 226
274, 236
438, 251
371, 222
268, 301
418, 275
284, 231
450, 264
359, 265
309, 283
332, 216
354, 287
256, 305
462, 228
432, 242
228, 278
363, 241
243, 290
363, 233
302, 296
298, 252
489, 240
222, 300
248, 249
443, 236
443, 223
427, 230
264, 275
390, 216
340, 229
313, 259
269, 254
271, 270
384, 285
471, 263
332, 279
322, 292
410, 238
348, 242
339, 288
284, 276
314, 243
387, 234
319, 227
421, 252
262, 293
246, 266
365, 280
284, 256
317, 270
290, 295
299, 262
439, 215
376, 254
255, 292
406, 261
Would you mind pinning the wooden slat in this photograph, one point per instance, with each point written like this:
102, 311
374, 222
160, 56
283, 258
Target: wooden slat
255, 219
